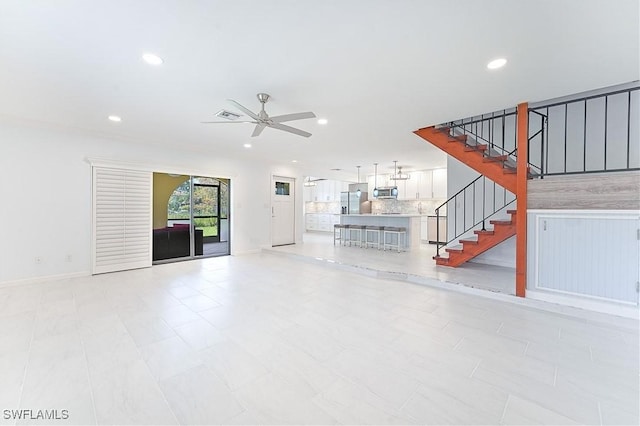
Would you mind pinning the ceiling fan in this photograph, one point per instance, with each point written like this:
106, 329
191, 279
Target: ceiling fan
262, 119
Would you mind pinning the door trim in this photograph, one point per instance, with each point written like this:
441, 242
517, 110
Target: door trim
273, 197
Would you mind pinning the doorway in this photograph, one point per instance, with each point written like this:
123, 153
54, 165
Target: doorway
283, 229
190, 217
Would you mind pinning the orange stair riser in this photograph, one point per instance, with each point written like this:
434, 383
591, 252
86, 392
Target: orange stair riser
474, 158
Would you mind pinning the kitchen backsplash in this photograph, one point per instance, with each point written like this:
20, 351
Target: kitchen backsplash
385, 206
322, 207
423, 207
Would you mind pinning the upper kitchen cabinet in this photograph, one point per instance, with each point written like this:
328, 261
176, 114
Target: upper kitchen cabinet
326, 191
440, 183
408, 189
424, 182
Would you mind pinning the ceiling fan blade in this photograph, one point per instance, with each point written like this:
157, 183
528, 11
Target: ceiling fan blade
291, 117
290, 129
259, 128
243, 109
227, 122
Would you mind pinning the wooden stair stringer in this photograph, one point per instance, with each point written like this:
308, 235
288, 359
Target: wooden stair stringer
474, 158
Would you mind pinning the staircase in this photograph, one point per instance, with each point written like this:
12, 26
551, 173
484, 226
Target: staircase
496, 165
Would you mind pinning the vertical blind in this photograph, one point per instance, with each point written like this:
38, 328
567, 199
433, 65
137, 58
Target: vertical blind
122, 219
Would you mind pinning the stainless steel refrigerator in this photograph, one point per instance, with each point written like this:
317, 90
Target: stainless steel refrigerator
351, 203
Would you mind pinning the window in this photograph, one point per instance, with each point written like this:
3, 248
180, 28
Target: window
282, 188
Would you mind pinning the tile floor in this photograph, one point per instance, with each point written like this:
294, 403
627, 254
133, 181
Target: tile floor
266, 339
418, 263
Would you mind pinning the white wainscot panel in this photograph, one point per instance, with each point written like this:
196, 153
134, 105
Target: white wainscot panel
588, 254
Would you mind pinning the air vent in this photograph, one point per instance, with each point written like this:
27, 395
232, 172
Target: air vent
223, 113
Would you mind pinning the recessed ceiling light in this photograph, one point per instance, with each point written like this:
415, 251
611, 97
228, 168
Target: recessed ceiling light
497, 63
323, 121
247, 145
115, 118
294, 161
152, 59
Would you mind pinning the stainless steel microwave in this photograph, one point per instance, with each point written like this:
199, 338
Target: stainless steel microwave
386, 192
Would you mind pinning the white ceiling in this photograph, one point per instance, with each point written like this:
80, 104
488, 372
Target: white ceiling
376, 69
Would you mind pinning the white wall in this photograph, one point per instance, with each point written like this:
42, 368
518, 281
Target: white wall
45, 191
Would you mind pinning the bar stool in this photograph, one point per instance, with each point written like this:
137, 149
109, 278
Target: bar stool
339, 236
397, 231
358, 229
373, 230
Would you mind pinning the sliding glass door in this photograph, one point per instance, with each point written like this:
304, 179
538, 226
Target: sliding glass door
190, 217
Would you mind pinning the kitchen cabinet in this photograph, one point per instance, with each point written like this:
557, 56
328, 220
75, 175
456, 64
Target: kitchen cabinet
424, 183
328, 190
311, 222
440, 183
321, 191
408, 189
308, 193
321, 221
424, 235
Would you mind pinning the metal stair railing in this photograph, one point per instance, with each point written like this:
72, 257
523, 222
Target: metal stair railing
471, 207
591, 134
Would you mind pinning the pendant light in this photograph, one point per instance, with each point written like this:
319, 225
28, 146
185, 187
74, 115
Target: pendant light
358, 192
394, 191
375, 180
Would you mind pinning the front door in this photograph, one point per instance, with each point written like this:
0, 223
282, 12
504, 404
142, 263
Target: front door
283, 211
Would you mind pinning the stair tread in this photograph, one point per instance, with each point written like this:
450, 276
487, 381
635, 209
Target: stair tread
469, 241
455, 249
501, 222
512, 211
494, 158
484, 232
479, 147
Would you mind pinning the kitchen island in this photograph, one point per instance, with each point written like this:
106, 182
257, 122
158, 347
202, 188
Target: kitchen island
408, 221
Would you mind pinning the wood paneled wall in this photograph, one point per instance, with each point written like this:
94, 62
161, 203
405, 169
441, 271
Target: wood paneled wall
612, 191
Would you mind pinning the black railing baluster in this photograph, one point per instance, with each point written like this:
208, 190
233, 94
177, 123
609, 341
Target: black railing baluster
437, 232
503, 130
566, 107
545, 160
584, 132
484, 202
606, 110
474, 202
455, 215
494, 197
464, 210
628, 126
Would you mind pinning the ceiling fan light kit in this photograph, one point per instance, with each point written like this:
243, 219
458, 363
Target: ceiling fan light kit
262, 119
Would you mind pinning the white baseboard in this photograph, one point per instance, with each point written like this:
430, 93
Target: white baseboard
604, 307
493, 262
37, 280
243, 252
